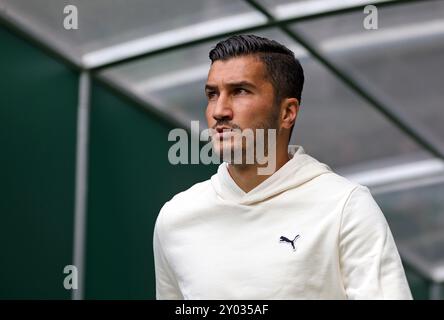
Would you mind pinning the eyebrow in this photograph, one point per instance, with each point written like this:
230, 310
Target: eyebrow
209, 87
231, 84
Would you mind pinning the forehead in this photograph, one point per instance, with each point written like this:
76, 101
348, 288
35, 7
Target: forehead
237, 69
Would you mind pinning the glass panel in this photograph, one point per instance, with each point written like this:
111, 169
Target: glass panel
105, 23
283, 9
341, 129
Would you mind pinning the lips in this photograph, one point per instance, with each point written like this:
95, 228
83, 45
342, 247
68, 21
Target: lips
223, 132
223, 129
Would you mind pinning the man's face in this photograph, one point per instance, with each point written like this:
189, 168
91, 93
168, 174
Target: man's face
239, 97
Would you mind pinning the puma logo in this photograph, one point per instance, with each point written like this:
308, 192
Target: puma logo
285, 239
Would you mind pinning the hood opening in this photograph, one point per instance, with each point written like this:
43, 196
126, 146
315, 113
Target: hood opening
300, 169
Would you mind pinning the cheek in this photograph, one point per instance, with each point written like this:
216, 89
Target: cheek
208, 115
253, 111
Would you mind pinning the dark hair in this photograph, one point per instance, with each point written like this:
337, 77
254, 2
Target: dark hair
282, 68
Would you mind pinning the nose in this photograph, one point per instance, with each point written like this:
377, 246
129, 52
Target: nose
223, 109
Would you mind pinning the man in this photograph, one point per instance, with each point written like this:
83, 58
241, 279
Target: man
300, 232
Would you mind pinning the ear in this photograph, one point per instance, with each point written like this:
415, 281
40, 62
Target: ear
290, 109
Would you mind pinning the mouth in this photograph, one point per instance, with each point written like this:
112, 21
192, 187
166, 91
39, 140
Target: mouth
222, 129
222, 133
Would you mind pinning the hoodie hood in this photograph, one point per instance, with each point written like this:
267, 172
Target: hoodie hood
297, 171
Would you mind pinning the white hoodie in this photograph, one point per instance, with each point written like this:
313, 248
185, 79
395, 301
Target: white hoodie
214, 241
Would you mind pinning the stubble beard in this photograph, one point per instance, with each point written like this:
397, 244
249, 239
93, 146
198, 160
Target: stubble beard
241, 148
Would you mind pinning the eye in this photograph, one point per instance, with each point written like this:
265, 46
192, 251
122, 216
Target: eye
211, 94
240, 91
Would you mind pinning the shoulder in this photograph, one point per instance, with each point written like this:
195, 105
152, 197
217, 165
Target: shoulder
356, 200
190, 196
361, 215
337, 180
361, 205
334, 185
185, 202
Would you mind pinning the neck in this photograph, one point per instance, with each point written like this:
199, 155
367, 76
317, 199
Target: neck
246, 175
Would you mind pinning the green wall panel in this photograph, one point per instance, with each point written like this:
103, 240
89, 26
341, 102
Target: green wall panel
38, 98
130, 179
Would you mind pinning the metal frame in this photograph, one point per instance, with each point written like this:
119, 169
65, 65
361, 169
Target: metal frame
81, 180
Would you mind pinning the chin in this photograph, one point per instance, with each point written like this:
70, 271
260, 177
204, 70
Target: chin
227, 153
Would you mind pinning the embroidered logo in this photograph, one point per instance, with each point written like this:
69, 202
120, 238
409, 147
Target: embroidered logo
285, 239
